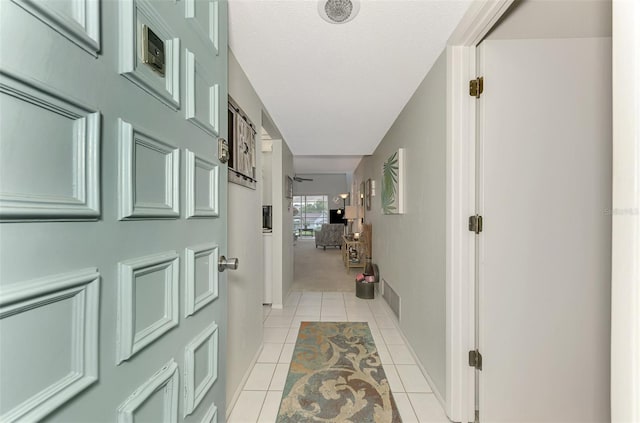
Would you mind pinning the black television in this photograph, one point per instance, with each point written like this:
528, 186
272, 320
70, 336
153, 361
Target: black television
335, 216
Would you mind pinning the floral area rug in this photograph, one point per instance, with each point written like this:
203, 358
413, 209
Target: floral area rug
336, 376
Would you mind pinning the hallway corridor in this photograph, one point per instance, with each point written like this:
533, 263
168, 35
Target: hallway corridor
260, 398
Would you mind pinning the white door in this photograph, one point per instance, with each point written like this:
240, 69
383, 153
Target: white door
113, 209
544, 258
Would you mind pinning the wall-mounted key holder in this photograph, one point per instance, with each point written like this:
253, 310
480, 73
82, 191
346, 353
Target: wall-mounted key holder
153, 50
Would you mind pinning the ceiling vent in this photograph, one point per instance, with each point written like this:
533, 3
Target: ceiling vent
338, 11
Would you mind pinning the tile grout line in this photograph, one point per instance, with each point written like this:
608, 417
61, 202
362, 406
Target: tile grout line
262, 406
415, 413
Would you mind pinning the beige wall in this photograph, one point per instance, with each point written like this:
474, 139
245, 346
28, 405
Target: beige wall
282, 166
329, 184
410, 248
245, 331
562, 19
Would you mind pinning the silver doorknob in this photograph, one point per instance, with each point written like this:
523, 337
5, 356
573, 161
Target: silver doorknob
225, 263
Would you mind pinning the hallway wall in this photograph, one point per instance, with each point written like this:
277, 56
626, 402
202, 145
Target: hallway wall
410, 248
245, 331
282, 166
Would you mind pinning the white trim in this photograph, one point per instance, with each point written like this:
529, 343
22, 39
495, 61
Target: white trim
460, 204
193, 394
163, 382
625, 307
82, 29
210, 34
128, 341
215, 26
210, 210
434, 389
132, 14
84, 203
234, 398
193, 303
402, 181
129, 206
211, 416
83, 288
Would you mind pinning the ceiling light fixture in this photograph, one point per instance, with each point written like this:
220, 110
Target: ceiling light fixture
338, 11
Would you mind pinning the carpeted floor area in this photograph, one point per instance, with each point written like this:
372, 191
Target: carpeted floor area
316, 269
336, 376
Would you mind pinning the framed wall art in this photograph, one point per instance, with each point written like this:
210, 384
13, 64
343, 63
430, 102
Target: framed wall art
393, 183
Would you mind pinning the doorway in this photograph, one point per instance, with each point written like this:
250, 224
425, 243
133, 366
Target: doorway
461, 180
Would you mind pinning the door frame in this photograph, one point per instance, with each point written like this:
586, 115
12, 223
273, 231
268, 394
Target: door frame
460, 204
625, 293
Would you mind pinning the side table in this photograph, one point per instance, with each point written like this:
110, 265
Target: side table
353, 253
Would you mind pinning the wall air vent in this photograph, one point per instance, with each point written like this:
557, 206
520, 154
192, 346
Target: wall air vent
338, 11
391, 297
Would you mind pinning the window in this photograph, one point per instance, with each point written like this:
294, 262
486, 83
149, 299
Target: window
309, 213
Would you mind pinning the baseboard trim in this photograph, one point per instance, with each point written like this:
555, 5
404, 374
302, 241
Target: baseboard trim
234, 398
432, 385
424, 372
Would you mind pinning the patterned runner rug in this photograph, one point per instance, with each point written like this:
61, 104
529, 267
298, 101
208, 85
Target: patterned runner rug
336, 376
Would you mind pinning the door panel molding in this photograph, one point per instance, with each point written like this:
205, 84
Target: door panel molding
195, 393
83, 124
200, 82
131, 207
82, 289
193, 301
165, 383
211, 415
81, 26
129, 340
206, 26
133, 14
110, 128
210, 181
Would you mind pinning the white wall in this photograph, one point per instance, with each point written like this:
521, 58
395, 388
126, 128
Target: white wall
267, 175
410, 248
282, 166
323, 184
287, 226
245, 331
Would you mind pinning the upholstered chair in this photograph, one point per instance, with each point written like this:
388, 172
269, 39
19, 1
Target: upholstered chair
329, 235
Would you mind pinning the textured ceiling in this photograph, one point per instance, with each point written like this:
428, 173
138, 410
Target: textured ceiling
334, 90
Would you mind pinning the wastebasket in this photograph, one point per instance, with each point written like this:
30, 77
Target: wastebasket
365, 290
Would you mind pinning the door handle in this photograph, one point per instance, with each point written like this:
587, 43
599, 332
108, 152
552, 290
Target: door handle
225, 263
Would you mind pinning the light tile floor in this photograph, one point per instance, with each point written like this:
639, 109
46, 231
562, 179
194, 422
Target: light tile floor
260, 398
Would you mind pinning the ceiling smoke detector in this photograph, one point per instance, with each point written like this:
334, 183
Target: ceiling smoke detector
338, 11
